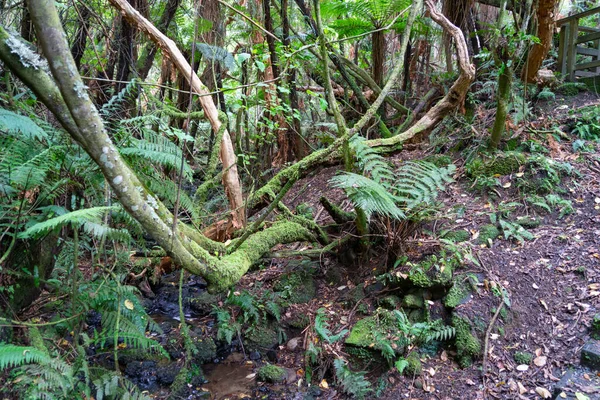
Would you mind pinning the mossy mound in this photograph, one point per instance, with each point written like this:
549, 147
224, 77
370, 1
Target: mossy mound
296, 287
459, 293
299, 321
498, 165
374, 332
433, 271
529, 222
571, 88
488, 232
468, 346
207, 350
414, 367
439, 160
458, 236
389, 302
595, 328
262, 337
523, 357
413, 301
271, 373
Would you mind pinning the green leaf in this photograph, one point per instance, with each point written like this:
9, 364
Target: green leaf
401, 365
260, 65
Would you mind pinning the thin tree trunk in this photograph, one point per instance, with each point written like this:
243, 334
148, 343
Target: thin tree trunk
545, 29
378, 56
81, 35
231, 181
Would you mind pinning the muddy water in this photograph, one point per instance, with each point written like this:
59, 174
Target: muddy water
233, 378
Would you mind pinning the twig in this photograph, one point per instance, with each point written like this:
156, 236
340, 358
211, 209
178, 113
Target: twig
487, 342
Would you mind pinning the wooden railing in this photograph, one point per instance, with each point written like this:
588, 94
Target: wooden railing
571, 44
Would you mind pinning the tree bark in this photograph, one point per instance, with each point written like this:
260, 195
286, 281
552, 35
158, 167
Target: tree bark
231, 180
81, 35
545, 29
378, 56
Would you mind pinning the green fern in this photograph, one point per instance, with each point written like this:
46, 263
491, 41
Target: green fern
75, 218
16, 356
443, 333
322, 328
15, 124
353, 383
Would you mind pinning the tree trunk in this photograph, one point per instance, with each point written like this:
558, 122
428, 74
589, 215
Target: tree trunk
545, 29
502, 98
378, 56
81, 35
231, 180
147, 58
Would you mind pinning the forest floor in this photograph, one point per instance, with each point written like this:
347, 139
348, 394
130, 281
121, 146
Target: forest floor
552, 286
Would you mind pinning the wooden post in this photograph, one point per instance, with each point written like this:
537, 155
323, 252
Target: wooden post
562, 50
572, 49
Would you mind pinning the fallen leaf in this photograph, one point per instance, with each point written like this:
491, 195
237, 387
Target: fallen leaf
540, 361
431, 371
324, 384
470, 382
444, 356
251, 376
544, 304
494, 336
522, 367
536, 287
507, 185
563, 395
581, 396
544, 393
129, 304
522, 389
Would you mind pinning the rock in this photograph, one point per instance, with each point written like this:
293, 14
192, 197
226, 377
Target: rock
255, 355
292, 344
271, 373
389, 302
207, 350
590, 355
366, 334
573, 381
166, 374
203, 304
262, 337
413, 301
500, 164
529, 222
468, 345
296, 287
459, 293
595, 328
414, 366
298, 321
143, 374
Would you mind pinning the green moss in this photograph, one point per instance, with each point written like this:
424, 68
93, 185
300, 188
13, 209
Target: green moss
389, 302
459, 236
523, 357
433, 271
207, 350
414, 366
498, 165
529, 222
204, 302
296, 287
468, 345
571, 88
439, 160
458, 292
271, 373
304, 210
262, 337
486, 232
371, 332
595, 328
413, 301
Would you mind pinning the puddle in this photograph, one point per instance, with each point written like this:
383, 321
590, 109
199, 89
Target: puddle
230, 379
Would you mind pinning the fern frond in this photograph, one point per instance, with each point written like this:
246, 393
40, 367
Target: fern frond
75, 218
17, 124
443, 333
16, 356
370, 196
352, 383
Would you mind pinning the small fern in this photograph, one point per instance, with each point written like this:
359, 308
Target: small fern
441, 334
352, 383
322, 328
15, 356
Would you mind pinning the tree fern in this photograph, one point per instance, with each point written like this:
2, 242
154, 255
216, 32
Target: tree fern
15, 124
75, 218
15, 356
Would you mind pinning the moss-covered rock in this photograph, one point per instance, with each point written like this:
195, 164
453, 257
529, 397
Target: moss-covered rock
203, 303
458, 293
595, 328
271, 373
468, 346
207, 350
296, 287
414, 367
389, 302
458, 236
413, 301
571, 88
262, 337
375, 332
529, 222
523, 357
433, 271
488, 232
497, 165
